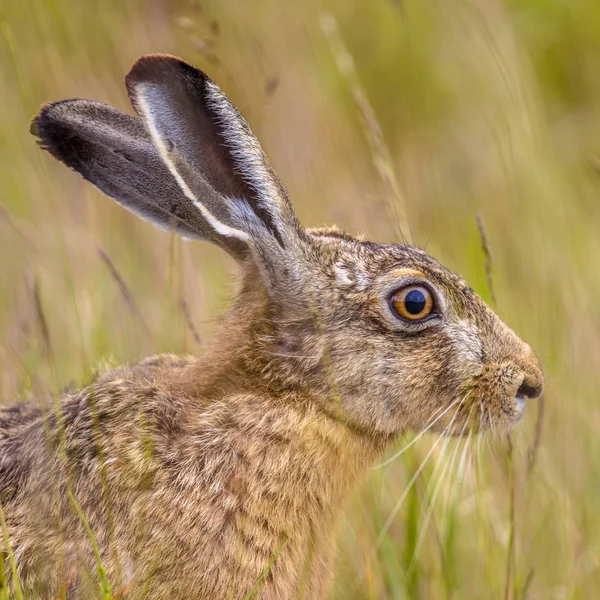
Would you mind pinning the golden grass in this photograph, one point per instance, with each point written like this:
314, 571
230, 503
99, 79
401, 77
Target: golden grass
476, 107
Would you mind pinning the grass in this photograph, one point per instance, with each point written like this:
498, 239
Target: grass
104, 587
416, 113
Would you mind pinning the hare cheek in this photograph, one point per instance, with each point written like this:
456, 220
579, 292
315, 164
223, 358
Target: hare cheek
467, 345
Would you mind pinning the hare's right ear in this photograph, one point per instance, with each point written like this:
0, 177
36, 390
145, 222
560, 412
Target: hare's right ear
217, 161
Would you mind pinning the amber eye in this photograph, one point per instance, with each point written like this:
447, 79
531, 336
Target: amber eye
413, 303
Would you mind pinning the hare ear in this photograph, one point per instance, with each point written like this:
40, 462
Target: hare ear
206, 143
114, 152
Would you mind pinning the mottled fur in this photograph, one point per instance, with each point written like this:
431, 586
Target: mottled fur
195, 474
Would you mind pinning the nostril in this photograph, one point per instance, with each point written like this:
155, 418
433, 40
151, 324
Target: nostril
529, 389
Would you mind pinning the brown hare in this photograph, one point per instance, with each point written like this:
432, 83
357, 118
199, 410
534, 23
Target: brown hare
206, 478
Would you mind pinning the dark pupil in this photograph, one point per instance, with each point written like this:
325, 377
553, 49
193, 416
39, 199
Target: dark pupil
415, 302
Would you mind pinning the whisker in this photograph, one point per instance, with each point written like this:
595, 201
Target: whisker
426, 520
492, 428
479, 438
479, 432
390, 519
454, 463
460, 476
455, 492
447, 429
416, 439
447, 440
431, 503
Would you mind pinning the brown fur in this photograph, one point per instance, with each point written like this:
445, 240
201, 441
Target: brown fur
197, 475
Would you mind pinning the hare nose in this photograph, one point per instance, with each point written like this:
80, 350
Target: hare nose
530, 388
532, 385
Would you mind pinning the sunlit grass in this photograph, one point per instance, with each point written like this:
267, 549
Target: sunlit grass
489, 108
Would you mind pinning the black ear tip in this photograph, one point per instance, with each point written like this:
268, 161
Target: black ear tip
34, 126
52, 130
161, 69
43, 120
42, 127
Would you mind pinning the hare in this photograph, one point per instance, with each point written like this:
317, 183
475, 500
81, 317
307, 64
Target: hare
225, 475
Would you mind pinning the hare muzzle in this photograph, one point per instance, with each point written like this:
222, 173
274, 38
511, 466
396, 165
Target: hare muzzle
504, 387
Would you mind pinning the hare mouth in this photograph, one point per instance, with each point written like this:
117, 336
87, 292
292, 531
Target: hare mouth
520, 404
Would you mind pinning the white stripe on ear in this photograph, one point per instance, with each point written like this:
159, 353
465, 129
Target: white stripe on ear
144, 107
247, 152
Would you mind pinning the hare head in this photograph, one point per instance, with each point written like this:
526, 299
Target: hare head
382, 336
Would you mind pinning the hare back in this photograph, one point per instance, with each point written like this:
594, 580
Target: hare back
50, 450
22, 424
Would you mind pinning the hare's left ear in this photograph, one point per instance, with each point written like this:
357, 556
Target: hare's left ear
207, 145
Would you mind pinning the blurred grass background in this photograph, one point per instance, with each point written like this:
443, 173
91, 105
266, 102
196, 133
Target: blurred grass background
487, 107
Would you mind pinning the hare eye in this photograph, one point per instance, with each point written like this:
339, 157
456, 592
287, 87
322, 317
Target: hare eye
412, 303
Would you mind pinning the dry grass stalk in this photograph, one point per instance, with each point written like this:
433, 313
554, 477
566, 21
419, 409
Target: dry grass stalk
382, 160
487, 252
188, 321
127, 296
